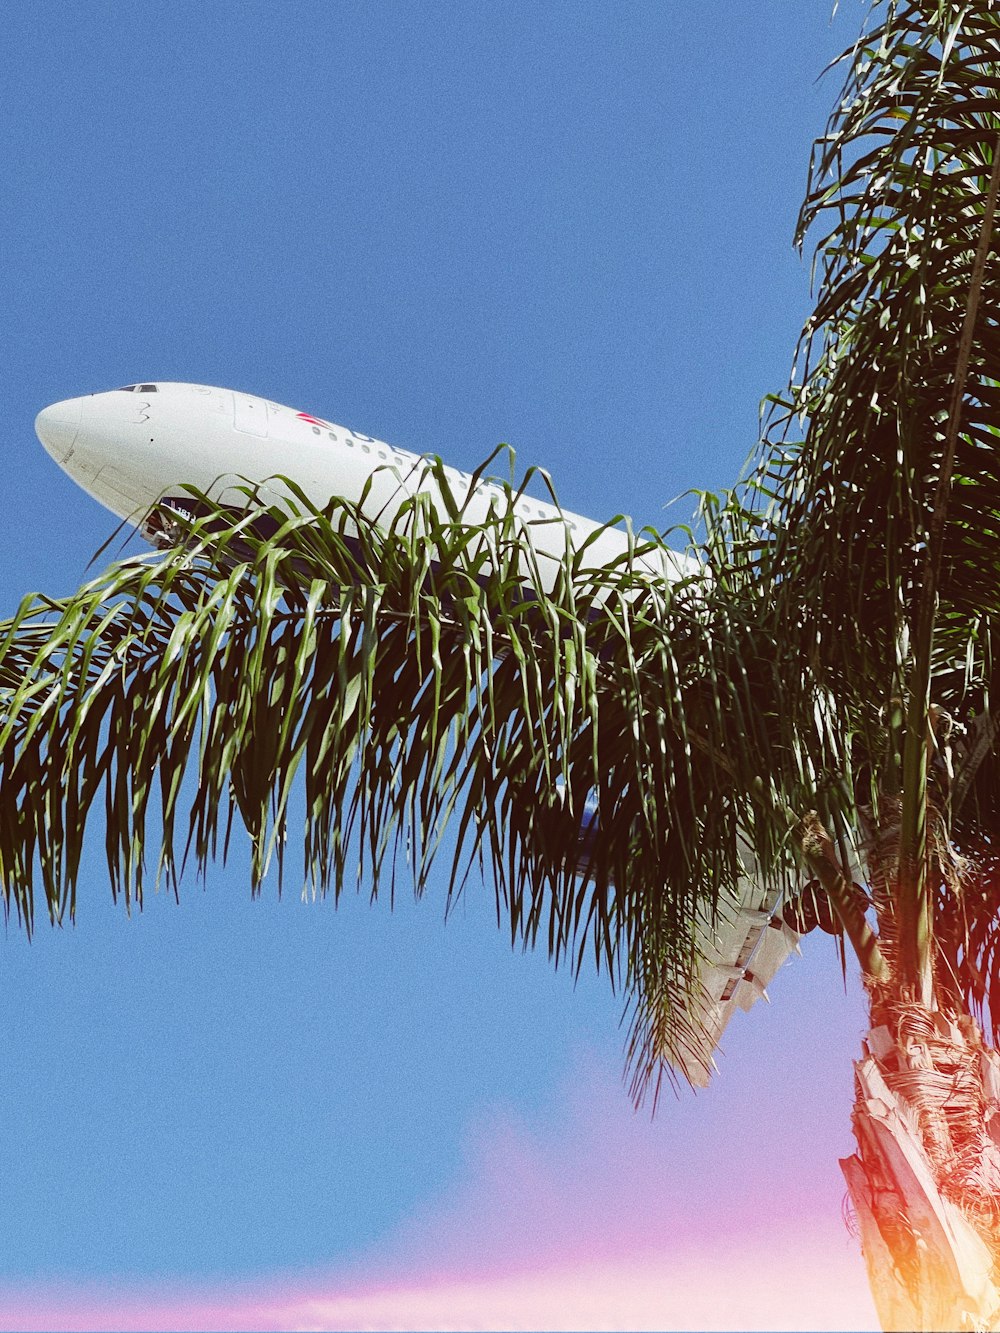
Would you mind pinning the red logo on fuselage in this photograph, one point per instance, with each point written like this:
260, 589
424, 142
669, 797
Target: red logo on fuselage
313, 421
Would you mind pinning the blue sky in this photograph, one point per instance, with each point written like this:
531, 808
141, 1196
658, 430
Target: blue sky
566, 227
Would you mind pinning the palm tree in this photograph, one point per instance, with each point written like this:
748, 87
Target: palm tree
810, 701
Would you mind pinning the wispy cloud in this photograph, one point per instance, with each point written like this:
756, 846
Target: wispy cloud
588, 1218
796, 1286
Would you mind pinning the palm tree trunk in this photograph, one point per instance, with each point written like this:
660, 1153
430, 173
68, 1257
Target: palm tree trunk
925, 1181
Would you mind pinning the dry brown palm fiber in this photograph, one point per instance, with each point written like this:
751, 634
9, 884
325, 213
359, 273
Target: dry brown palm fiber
938, 1076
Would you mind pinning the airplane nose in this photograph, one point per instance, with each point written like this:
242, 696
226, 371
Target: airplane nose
57, 426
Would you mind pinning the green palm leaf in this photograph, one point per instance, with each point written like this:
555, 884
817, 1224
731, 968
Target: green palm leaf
885, 511
394, 682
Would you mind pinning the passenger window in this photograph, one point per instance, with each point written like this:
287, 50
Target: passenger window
316, 430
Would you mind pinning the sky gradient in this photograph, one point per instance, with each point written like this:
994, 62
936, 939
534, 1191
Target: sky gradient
564, 227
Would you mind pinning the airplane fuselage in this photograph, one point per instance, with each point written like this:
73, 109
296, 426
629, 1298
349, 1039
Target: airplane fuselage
131, 448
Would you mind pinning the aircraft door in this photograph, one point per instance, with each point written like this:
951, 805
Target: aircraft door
250, 414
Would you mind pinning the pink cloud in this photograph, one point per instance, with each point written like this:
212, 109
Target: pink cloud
594, 1182
589, 1217
800, 1285
804, 1289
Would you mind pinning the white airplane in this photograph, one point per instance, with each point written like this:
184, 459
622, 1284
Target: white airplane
137, 447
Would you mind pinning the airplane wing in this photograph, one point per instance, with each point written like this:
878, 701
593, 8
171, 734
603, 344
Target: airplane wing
743, 948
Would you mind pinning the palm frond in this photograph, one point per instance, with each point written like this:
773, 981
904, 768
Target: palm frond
887, 510
395, 682
902, 179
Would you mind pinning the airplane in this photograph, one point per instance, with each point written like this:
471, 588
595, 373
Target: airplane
133, 448
136, 448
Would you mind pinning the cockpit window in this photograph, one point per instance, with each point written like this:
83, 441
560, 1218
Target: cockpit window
147, 388
127, 388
